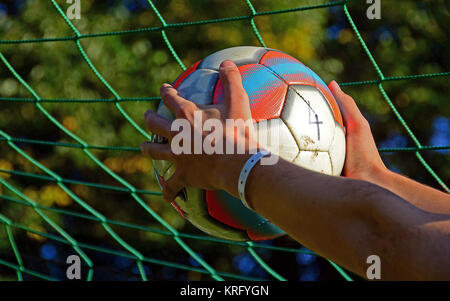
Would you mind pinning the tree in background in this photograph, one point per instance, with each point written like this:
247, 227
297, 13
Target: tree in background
410, 38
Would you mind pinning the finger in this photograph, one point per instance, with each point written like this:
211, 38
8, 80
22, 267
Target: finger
157, 151
177, 104
234, 92
172, 187
157, 124
347, 105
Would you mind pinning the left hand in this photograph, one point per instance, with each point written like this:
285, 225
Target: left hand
207, 171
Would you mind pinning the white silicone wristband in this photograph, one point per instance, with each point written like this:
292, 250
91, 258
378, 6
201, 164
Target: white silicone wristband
251, 162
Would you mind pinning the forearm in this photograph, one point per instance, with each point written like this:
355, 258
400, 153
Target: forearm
345, 220
422, 196
323, 213
330, 215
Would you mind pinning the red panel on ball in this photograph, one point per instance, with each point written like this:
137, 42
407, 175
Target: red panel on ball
219, 212
185, 74
265, 90
274, 57
293, 72
255, 236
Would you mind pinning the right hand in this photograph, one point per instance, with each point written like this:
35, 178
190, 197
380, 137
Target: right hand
362, 160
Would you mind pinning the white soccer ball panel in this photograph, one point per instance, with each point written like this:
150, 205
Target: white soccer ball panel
337, 150
274, 135
307, 114
241, 55
198, 87
314, 160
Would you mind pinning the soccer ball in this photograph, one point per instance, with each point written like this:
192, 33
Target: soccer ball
286, 95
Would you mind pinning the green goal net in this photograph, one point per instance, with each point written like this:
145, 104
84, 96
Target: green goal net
67, 188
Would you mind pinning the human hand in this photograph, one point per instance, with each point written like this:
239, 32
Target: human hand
362, 160
208, 171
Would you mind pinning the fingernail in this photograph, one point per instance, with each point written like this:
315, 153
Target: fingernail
226, 64
165, 85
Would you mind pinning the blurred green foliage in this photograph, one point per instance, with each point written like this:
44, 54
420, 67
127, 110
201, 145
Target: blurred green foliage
410, 38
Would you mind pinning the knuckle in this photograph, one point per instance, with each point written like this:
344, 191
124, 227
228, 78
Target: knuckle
180, 112
186, 109
231, 74
362, 125
349, 98
191, 106
346, 100
168, 92
228, 71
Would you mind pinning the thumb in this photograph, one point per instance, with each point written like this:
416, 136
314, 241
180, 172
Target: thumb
347, 105
235, 97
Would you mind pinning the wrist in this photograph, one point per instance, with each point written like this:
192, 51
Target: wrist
378, 175
228, 169
229, 166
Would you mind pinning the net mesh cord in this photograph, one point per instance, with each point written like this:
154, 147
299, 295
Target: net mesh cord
128, 251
